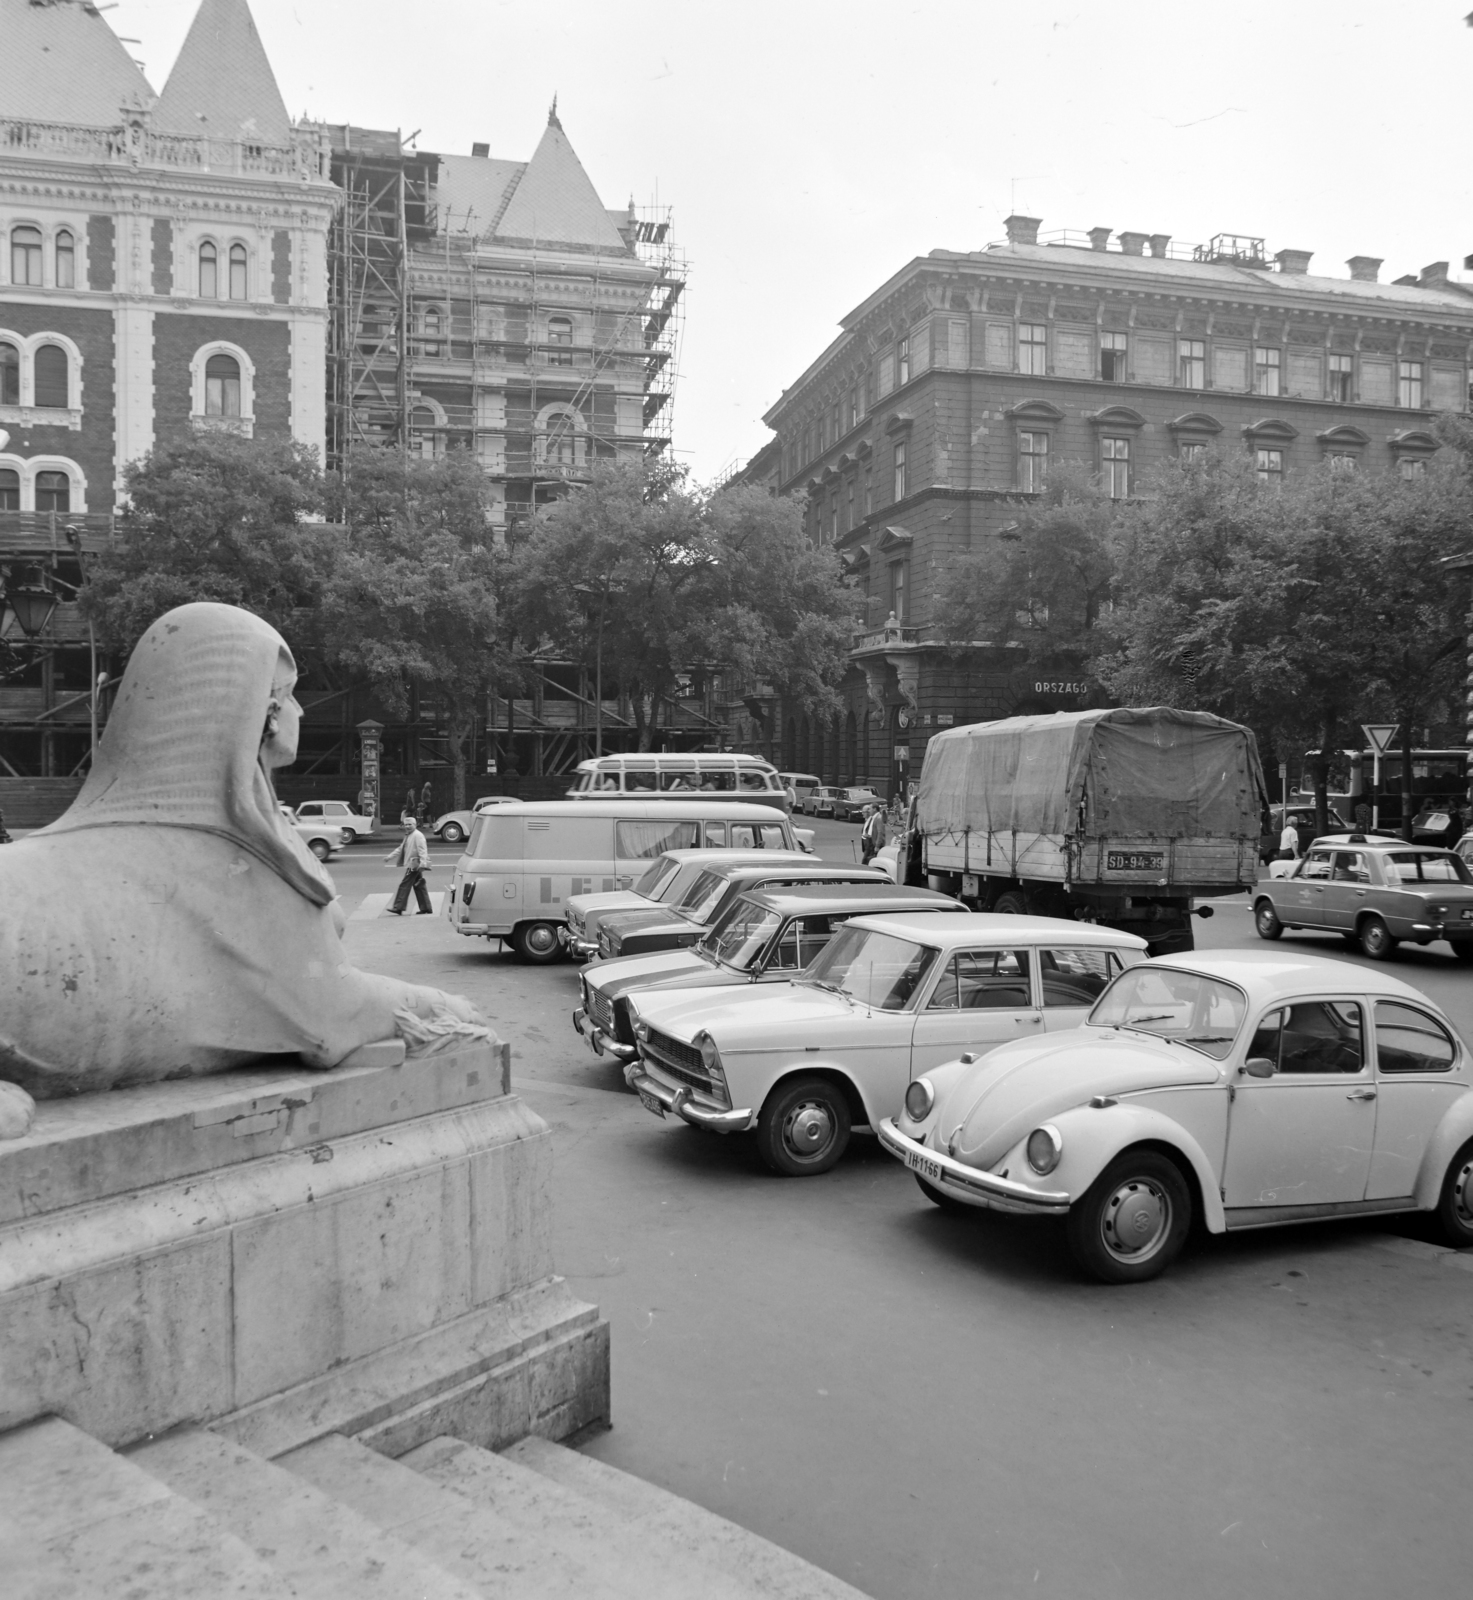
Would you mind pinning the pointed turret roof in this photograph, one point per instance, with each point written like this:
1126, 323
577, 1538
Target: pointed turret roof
222, 82
554, 201
62, 63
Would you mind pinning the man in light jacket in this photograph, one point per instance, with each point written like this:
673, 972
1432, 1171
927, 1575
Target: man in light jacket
414, 856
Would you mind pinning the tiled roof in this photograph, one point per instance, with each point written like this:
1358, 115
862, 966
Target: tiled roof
222, 83
472, 190
555, 203
62, 63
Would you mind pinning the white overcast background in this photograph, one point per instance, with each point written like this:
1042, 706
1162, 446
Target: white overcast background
809, 149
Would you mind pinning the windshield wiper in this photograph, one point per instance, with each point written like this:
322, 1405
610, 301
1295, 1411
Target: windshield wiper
1209, 1038
820, 983
1134, 1022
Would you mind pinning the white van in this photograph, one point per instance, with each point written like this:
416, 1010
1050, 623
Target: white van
738, 777
524, 861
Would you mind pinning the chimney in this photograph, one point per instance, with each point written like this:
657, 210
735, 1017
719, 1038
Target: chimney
1099, 238
1435, 276
1408, 280
1133, 244
1295, 262
480, 149
1364, 269
1159, 242
1022, 230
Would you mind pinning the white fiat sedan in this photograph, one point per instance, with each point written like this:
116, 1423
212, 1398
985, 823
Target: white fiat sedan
804, 1061
1242, 1087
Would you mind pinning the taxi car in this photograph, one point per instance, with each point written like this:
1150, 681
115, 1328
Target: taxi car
664, 883
803, 1062
1244, 1088
766, 936
1375, 891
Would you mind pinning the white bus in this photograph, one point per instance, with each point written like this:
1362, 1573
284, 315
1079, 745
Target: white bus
649, 776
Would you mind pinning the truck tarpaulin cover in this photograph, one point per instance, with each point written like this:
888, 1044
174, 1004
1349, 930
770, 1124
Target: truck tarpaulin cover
1150, 772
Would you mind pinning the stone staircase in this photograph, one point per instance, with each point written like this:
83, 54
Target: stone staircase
194, 1516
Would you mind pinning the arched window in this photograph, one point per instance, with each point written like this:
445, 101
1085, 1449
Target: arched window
562, 440
66, 261
422, 423
25, 255
9, 375
9, 489
51, 377
433, 325
209, 274
560, 335
53, 491
222, 387
237, 272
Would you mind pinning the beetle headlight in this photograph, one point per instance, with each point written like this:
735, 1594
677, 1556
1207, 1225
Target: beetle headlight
919, 1098
1044, 1149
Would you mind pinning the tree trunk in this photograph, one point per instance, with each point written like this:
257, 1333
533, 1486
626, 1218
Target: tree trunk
646, 710
458, 724
1321, 767
1408, 809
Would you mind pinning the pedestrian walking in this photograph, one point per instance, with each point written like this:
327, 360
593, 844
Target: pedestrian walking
872, 836
1362, 816
1305, 831
426, 802
1289, 841
413, 855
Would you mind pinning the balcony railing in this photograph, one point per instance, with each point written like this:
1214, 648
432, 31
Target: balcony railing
135, 144
884, 638
44, 532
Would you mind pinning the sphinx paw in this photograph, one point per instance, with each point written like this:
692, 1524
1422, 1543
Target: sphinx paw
17, 1111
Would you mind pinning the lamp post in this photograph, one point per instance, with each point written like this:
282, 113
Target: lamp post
1464, 563
30, 597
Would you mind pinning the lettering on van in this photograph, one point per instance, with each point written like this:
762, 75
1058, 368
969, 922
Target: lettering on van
576, 885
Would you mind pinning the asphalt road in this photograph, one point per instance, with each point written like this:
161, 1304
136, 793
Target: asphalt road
938, 1406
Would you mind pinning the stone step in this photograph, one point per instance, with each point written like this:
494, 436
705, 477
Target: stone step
666, 1522
566, 1523
78, 1519
327, 1550
496, 1555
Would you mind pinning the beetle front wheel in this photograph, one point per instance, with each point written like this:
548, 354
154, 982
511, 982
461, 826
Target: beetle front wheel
1455, 1204
1133, 1220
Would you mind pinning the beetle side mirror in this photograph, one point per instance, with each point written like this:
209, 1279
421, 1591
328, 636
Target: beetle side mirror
969, 1058
1259, 1067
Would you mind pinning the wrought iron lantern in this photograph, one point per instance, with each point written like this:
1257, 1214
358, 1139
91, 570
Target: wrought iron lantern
30, 597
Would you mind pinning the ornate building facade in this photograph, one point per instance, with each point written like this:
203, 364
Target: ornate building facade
932, 420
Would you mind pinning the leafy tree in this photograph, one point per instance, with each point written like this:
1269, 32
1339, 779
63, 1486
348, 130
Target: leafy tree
413, 598
214, 517
638, 577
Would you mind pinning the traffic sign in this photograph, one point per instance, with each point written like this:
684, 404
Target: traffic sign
1380, 734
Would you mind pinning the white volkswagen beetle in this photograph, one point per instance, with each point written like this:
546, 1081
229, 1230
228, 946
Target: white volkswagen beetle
1246, 1088
888, 997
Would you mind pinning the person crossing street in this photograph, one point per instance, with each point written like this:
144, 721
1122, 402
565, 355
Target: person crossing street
872, 837
413, 855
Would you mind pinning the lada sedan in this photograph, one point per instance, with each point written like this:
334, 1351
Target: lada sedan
887, 998
1375, 892
664, 883
1247, 1088
709, 899
766, 936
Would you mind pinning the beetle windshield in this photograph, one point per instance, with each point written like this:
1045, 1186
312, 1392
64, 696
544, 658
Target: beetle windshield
1426, 866
875, 969
1186, 1007
741, 935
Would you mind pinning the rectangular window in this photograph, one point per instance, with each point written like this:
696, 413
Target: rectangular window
1191, 363
853, 408
1033, 348
899, 485
1342, 378
1265, 370
834, 516
66, 261
1032, 461
902, 362
1191, 450
643, 841
1409, 384
900, 591
869, 491
1112, 357
849, 505
985, 980
1410, 466
1075, 976
1115, 467
1270, 465
1341, 461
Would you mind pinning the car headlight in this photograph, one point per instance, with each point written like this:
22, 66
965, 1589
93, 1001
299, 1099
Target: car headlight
642, 1031
1044, 1149
1438, 911
919, 1098
711, 1059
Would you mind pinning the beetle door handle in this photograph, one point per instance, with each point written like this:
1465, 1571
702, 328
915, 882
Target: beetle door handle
1361, 1094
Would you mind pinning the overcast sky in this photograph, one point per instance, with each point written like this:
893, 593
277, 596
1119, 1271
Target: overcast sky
810, 148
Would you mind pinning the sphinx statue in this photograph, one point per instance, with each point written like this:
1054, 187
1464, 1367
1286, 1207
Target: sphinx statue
171, 923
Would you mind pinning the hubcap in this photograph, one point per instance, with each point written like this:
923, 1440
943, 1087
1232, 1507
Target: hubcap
541, 939
809, 1129
1137, 1219
1265, 917
1463, 1195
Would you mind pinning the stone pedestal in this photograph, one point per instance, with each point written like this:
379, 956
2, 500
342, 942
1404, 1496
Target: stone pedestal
280, 1255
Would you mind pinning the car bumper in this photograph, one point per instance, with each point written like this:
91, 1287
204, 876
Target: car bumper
578, 948
660, 1097
961, 1182
601, 1043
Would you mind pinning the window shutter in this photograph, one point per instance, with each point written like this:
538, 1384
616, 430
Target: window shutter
1074, 354
1152, 361
1305, 375
958, 353
1000, 345
1375, 382
1230, 368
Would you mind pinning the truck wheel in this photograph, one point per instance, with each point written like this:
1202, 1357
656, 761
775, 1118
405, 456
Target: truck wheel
803, 1127
1265, 920
536, 942
1012, 904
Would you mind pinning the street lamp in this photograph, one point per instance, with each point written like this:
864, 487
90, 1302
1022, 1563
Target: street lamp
1465, 564
30, 597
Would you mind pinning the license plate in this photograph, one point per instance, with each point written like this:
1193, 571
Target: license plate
924, 1165
1135, 860
648, 1101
